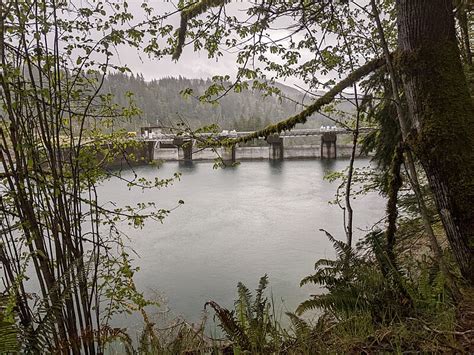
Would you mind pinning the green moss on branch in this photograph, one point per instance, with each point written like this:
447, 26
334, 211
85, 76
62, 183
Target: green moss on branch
189, 13
326, 99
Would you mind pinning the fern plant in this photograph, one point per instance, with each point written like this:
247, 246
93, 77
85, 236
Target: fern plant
358, 281
252, 325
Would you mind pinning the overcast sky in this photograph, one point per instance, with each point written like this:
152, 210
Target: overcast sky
197, 64
191, 64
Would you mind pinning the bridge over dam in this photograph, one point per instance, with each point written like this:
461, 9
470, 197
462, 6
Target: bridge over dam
295, 144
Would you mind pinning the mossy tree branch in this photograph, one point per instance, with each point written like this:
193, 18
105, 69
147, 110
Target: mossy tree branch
392, 211
194, 10
326, 99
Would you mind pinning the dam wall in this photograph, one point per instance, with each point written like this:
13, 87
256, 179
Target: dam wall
252, 153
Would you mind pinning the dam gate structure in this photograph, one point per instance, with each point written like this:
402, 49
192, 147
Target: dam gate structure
323, 144
328, 145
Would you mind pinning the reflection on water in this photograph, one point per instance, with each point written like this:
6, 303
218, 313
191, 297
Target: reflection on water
187, 164
330, 164
237, 224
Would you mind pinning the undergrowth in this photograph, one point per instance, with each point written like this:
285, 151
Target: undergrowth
369, 305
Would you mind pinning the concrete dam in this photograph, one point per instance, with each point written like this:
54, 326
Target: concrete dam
294, 144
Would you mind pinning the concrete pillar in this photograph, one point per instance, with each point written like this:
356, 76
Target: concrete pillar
150, 151
185, 148
328, 145
228, 154
276, 147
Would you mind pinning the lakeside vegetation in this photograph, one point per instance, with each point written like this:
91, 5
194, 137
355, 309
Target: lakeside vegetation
405, 67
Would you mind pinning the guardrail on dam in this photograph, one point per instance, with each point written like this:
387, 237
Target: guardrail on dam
322, 145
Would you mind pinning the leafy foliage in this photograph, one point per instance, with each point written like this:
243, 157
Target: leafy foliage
58, 141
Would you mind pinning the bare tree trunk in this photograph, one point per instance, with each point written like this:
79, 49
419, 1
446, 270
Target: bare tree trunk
442, 133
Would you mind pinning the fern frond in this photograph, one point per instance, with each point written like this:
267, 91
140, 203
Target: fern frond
8, 338
345, 301
343, 250
242, 305
302, 328
8, 330
262, 285
260, 303
228, 323
325, 262
325, 277
306, 306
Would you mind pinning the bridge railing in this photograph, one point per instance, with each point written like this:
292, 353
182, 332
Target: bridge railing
235, 134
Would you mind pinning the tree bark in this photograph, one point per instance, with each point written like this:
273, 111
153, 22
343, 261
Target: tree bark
442, 113
462, 16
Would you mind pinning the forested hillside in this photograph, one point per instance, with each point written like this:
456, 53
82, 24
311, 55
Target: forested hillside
161, 103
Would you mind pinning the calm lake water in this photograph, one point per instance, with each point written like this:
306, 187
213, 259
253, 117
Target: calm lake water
236, 225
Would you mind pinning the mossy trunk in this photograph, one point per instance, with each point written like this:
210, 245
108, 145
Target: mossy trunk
442, 116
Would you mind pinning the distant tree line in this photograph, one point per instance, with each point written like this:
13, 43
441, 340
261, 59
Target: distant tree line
162, 103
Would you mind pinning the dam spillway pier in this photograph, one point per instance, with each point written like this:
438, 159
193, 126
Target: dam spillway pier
276, 147
228, 154
184, 146
328, 145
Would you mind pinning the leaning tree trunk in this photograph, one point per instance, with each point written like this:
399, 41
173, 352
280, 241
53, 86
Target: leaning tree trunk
443, 117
